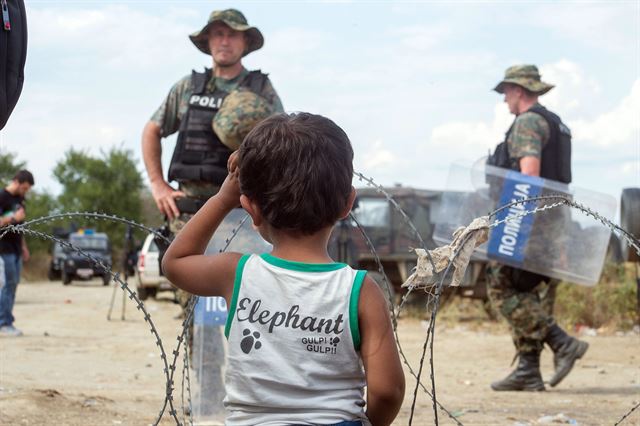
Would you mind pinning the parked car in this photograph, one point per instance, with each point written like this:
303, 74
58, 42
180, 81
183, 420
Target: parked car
149, 279
74, 266
57, 259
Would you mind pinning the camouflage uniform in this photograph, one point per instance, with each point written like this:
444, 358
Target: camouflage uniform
529, 313
530, 133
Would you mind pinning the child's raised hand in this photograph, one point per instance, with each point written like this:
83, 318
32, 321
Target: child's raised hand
232, 162
229, 193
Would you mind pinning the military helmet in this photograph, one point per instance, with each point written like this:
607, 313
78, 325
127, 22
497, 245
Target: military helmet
240, 111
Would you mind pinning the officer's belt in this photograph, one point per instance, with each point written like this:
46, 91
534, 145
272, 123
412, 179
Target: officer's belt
189, 205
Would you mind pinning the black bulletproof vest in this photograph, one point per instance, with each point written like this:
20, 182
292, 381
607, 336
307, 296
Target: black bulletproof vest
556, 154
13, 53
199, 154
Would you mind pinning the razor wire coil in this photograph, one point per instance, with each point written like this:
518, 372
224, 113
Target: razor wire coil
169, 369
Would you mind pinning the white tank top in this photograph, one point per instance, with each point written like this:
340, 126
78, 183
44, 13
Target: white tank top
293, 342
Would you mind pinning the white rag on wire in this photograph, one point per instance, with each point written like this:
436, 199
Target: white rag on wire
464, 241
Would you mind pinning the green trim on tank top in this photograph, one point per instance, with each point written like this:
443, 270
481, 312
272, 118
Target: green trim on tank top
231, 312
301, 266
353, 308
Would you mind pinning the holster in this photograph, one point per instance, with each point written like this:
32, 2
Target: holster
189, 205
186, 205
162, 244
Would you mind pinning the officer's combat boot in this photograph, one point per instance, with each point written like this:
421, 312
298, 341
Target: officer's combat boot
526, 377
566, 350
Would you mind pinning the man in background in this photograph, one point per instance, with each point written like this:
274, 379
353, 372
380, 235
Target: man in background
13, 248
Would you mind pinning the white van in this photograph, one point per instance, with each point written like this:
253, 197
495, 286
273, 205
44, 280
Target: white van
148, 271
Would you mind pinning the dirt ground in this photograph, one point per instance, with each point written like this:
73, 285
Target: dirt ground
73, 367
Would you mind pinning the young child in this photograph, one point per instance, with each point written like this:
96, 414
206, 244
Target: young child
301, 327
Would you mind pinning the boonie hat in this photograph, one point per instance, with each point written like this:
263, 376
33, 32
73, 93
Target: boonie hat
526, 76
235, 20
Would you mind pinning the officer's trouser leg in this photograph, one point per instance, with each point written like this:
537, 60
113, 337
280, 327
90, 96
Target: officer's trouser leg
529, 322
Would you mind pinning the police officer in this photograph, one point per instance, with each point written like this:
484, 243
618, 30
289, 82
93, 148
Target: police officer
199, 162
536, 144
212, 111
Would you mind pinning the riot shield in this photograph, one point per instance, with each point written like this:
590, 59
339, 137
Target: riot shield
559, 242
209, 349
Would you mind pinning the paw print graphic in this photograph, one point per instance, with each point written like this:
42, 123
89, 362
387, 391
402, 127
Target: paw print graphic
250, 341
334, 341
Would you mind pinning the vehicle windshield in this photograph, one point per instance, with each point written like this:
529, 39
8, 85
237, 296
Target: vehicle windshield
153, 248
372, 212
58, 249
86, 242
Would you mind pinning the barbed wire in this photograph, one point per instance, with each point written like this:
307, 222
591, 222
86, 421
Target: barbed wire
182, 337
626, 415
169, 369
193, 300
92, 215
108, 217
561, 200
23, 229
429, 342
392, 201
186, 379
189, 310
394, 318
407, 220
628, 237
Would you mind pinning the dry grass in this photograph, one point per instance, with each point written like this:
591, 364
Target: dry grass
609, 305
36, 268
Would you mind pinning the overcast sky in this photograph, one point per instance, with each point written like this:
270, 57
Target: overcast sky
410, 82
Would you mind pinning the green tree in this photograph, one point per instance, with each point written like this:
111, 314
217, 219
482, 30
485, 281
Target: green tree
109, 183
9, 165
150, 214
39, 204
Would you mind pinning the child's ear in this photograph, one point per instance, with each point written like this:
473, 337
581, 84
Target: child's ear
252, 208
349, 205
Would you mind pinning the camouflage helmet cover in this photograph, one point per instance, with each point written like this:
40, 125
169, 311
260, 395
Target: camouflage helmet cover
526, 76
235, 20
240, 111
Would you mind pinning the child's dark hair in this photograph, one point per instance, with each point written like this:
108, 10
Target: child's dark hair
298, 169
